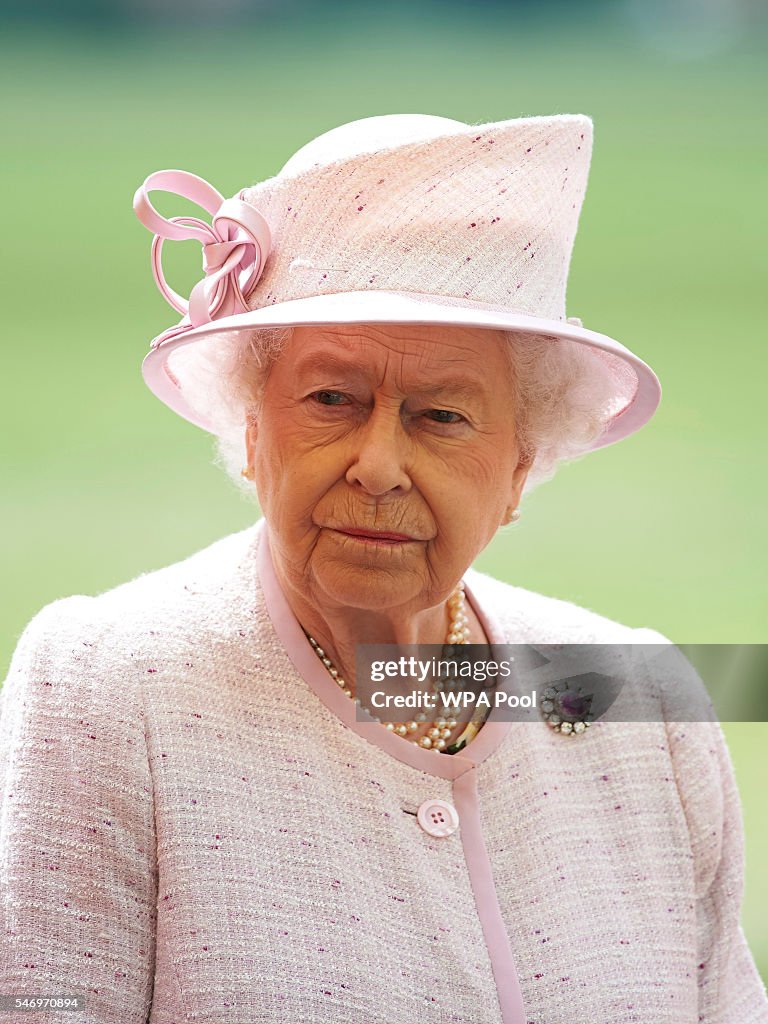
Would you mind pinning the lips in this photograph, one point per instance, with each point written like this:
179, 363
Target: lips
375, 534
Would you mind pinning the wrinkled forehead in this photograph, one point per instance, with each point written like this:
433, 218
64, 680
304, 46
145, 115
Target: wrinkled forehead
431, 352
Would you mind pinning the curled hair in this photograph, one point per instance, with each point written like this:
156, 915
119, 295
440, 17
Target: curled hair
563, 394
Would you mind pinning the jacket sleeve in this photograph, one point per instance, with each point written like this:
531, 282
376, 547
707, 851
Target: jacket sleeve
78, 876
729, 986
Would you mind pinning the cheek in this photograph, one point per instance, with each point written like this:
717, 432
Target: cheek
470, 497
480, 476
292, 473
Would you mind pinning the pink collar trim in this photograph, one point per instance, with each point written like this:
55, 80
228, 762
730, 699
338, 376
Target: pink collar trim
306, 663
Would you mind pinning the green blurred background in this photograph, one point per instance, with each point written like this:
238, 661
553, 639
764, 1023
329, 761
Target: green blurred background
102, 482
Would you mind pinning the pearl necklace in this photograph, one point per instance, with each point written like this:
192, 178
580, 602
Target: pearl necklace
441, 728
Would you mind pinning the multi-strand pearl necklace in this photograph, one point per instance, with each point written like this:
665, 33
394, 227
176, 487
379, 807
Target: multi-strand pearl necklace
441, 728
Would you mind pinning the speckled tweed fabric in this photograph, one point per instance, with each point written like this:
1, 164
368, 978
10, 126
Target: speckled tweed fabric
188, 834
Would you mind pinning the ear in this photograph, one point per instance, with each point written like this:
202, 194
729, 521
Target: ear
251, 435
519, 476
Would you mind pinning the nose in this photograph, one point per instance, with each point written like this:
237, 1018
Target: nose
379, 460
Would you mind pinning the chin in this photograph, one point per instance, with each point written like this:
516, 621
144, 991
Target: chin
367, 588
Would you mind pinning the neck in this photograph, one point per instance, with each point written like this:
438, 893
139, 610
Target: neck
338, 629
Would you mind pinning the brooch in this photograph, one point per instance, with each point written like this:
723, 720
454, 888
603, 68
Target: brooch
566, 708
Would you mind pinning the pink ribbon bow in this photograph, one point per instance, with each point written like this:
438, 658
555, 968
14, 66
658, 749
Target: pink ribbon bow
235, 247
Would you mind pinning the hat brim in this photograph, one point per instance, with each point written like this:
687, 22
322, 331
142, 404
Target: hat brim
640, 402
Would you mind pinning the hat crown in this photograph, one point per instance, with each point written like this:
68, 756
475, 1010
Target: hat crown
367, 135
423, 204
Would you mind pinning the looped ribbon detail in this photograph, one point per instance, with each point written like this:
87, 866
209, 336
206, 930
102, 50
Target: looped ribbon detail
235, 247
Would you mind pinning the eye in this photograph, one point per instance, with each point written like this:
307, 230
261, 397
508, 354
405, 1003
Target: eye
329, 397
444, 416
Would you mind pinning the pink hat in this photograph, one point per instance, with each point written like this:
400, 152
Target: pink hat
401, 218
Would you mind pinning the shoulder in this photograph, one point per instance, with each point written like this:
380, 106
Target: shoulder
185, 602
526, 616
218, 571
170, 593
64, 690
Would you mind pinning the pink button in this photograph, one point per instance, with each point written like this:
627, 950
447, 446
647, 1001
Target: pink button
438, 818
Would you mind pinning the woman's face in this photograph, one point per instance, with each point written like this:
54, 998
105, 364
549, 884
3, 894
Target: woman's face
392, 429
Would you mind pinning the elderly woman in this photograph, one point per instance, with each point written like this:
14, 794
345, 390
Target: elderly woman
200, 819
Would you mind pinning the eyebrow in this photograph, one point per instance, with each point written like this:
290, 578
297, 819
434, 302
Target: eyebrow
464, 387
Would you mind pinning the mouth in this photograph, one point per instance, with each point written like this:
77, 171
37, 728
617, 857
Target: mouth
376, 536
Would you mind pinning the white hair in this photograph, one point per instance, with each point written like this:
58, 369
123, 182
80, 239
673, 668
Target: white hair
562, 395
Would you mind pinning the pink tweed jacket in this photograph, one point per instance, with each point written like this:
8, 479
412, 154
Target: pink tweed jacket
195, 828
